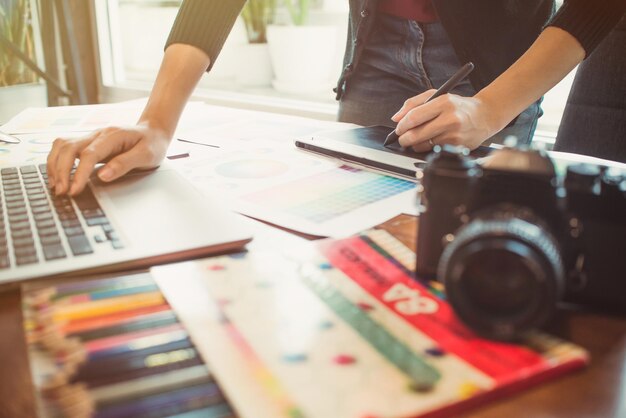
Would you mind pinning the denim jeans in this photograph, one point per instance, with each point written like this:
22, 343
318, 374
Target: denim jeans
402, 59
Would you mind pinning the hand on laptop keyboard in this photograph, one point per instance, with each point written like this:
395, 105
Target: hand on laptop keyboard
138, 147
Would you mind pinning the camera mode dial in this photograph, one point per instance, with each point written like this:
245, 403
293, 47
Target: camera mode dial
613, 184
451, 157
583, 178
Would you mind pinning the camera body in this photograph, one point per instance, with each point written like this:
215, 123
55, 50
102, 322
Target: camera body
512, 236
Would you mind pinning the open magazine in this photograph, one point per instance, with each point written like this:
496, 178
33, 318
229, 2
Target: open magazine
339, 328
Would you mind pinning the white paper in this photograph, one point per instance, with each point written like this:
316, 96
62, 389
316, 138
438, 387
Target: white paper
74, 118
248, 157
272, 180
37, 128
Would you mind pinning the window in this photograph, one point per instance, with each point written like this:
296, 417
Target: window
20, 87
132, 33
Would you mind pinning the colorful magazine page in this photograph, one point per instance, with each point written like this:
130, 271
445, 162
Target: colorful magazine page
339, 328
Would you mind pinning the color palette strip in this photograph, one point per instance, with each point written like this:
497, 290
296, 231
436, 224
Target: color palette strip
426, 313
421, 373
328, 195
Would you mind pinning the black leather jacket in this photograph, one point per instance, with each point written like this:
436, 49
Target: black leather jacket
492, 34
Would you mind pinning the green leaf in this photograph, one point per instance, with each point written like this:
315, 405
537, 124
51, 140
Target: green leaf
15, 25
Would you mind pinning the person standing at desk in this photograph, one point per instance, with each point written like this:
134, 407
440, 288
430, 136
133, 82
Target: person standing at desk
517, 62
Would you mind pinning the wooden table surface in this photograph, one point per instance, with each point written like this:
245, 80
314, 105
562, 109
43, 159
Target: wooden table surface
16, 388
599, 391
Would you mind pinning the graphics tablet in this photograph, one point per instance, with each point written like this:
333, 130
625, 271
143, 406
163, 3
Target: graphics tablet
364, 146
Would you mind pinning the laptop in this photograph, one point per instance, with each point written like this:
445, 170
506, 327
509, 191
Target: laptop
364, 146
143, 219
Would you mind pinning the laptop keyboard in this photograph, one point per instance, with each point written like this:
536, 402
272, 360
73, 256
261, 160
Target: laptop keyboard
36, 226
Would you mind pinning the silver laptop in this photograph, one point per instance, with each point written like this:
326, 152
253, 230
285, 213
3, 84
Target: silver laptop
143, 219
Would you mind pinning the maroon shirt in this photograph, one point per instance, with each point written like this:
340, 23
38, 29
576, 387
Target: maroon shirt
418, 10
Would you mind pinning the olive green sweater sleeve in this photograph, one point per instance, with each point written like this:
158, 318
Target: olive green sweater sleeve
205, 24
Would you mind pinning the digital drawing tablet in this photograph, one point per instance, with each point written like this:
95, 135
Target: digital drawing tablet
364, 146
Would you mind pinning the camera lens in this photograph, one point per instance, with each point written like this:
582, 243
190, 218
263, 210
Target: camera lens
498, 280
503, 275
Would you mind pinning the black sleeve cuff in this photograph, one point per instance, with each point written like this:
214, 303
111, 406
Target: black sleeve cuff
589, 21
205, 24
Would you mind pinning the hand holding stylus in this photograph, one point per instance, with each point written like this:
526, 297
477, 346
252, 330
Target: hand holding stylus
435, 117
445, 88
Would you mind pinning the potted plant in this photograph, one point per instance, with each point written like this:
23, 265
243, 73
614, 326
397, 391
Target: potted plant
257, 14
255, 67
303, 54
19, 86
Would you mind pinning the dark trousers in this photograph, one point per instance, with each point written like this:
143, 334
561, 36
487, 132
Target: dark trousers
594, 122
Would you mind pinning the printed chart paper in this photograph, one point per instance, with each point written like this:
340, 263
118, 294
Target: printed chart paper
277, 183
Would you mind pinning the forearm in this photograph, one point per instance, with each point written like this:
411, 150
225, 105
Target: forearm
553, 55
181, 70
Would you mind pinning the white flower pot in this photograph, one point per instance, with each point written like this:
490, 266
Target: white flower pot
303, 57
226, 66
254, 67
143, 35
334, 6
14, 99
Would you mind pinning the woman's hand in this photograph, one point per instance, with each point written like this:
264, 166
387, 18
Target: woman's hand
448, 119
123, 149
138, 147
469, 121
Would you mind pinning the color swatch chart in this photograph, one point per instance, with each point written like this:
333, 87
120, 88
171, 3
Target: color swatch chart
328, 195
114, 348
340, 329
277, 183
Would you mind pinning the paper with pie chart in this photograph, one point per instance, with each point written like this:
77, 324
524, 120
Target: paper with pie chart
295, 190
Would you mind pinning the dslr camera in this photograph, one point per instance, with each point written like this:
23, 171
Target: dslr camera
513, 235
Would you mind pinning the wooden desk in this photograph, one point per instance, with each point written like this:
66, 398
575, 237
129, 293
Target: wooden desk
16, 388
598, 391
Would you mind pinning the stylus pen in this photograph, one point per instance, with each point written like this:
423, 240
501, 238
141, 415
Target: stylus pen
447, 86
